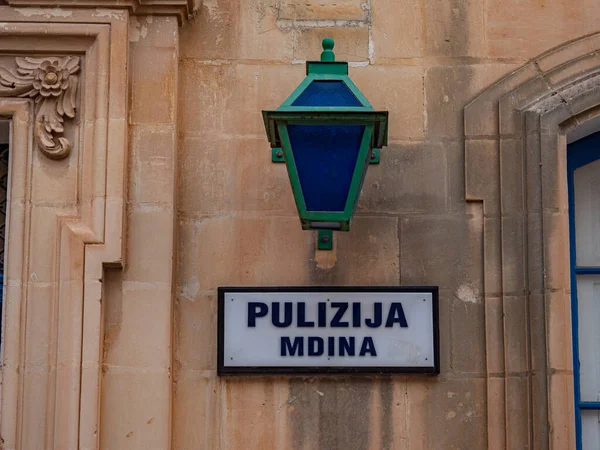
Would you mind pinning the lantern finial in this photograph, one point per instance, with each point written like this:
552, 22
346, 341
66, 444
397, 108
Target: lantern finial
328, 55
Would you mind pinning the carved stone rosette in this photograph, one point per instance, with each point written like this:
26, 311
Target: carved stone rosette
52, 83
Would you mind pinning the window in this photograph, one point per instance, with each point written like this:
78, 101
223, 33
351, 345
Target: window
4, 134
583, 165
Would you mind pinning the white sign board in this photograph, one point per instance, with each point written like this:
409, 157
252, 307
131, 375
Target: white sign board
328, 330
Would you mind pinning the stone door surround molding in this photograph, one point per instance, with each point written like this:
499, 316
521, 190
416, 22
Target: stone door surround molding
515, 164
183, 9
52, 83
63, 84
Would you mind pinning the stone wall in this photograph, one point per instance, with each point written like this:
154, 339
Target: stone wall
169, 192
423, 60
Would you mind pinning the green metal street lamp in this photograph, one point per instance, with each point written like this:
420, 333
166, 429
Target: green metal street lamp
326, 132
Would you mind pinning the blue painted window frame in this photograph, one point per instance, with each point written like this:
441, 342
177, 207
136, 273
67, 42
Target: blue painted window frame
579, 154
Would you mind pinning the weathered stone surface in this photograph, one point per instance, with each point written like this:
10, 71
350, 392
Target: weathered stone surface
482, 173
366, 255
397, 35
196, 410
411, 178
248, 402
144, 419
152, 156
454, 28
448, 89
351, 44
227, 99
195, 328
516, 29
128, 341
325, 406
504, 306
399, 90
467, 329
157, 84
455, 408
153, 224
324, 10
449, 259
218, 177
250, 251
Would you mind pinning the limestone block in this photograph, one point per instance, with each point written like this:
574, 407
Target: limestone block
41, 306
366, 255
448, 89
450, 259
152, 155
399, 90
150, 247
228, 30
566, 53
446, 306
54, 181
467, 330
195, 411
494, 331
455, 181
492, 256
397, 35
213, 33
535, 254
251, 251
218, 176
517, 411
454, 28
411, 178
556, 256
195, 328
496, 412
562, 415
153, 75
512, 162
153, 31
554, 174
35, 392
221, 99
482, 173
43, 238
525, 29
539, 390
261, 35
456, 409
324, 10
516, 337
331, 413
513, 256
251, 418
136, 334
351, 44
533, 170
144, 419
559, 331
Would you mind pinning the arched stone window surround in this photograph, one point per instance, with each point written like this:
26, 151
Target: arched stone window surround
68, 212
515, 164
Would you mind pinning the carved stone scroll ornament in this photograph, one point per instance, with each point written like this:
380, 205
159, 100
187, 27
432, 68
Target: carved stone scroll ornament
52, 83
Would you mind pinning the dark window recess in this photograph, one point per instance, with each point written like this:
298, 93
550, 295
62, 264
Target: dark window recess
3, 202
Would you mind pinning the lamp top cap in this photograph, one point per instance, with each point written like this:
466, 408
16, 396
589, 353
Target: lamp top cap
327, 55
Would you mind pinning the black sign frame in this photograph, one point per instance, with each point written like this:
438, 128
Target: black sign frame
222, 369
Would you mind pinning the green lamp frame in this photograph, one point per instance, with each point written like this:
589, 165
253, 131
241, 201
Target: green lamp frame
374, 136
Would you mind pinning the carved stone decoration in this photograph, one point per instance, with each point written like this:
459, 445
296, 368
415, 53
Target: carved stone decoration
52, 83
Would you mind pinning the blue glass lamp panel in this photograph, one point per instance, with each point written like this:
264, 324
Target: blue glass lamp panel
327, 93
325, 156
